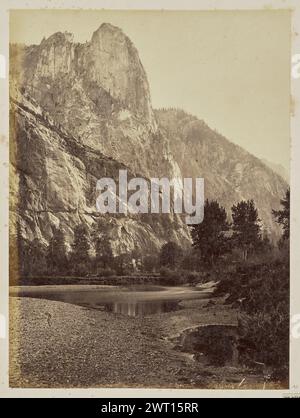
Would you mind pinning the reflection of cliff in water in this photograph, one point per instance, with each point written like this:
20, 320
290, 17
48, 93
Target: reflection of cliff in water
142, 308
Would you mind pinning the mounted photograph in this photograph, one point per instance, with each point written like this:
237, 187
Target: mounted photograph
149, 204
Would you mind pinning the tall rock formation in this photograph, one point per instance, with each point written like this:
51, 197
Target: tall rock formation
83, 111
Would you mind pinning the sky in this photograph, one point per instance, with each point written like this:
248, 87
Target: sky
231, 69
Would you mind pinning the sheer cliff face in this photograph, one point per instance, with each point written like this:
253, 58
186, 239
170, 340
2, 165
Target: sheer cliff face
82, 111
53, 185
99, 92
109, 62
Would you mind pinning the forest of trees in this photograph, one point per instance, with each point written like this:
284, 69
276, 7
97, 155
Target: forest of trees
261, 292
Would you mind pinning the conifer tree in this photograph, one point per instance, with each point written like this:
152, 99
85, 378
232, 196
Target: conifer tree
210, 235
246, 227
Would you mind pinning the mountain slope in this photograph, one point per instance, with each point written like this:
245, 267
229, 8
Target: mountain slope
278, 169
231, 174
83, 111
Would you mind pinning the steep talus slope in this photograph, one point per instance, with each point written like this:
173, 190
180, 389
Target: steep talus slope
231, 174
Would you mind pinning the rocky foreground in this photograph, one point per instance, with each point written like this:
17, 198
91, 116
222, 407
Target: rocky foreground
54, 344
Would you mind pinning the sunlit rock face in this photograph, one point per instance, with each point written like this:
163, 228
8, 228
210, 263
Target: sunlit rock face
99, 92
53, 185
108, 62
83, 111
112, 62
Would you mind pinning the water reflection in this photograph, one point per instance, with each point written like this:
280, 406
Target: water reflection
141, 308
139, 300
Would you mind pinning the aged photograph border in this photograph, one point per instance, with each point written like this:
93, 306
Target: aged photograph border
292, 5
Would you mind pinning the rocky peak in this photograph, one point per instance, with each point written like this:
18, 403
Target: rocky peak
99, 93
54, 58
109, 30
107, 65
58, 38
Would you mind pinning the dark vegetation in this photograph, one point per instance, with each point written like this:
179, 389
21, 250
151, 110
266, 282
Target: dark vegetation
260, 288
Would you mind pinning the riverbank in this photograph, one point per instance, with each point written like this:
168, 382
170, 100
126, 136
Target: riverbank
140, 278
143, 291
55, 344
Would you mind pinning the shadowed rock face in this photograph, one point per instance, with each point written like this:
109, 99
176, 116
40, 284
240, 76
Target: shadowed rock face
83, 111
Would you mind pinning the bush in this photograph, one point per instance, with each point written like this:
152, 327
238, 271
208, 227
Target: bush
150, 263
192, 261
170, 255
106, 272
80, 269
265, 337
193, 277
180, 277
165, 272
170, 277
261, 293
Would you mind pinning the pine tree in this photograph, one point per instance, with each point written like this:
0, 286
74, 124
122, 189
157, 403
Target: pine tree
266, 243
170, 255
283, 216
150, 263
246, 227
104, 254
24, 260
210, 235
56, 254
37, 258
80, 257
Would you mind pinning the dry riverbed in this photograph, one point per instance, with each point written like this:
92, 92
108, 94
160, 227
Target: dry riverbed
56, 344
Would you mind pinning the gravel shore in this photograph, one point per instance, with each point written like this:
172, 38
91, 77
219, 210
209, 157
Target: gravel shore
55, 344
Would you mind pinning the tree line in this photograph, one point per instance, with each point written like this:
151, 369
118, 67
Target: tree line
214, 239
